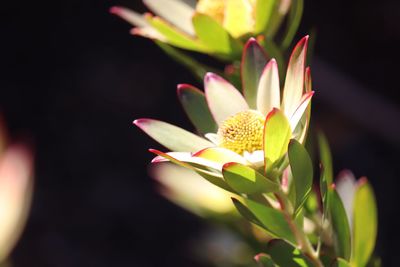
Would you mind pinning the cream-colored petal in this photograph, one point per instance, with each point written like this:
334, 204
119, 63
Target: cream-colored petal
268, 93
296, 117
177, 12
223, 99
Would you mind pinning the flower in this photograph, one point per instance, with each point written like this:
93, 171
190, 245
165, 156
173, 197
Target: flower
15, 194
252, 129
207, 26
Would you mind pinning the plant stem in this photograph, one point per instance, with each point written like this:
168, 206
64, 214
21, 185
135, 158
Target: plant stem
302, 239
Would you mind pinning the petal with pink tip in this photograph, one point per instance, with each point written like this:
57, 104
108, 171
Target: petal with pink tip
294, 82
268, 96
220, 155
186, 160
298, 114
223, 99
252, 67
346, 186
142, 28
172, 137
177, 12
15, 196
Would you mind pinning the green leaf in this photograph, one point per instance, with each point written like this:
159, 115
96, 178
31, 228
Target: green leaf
195, 105
264, 10
246, 213
246, 180
340, 263
340, 225
277, 135
273, 221
253, 63
302, 171
215, 37
326, 169
174, 36
365, 223
285, 255
264, 260
172, 137
295, 14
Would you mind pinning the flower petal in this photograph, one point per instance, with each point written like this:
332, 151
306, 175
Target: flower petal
253, 64
15, 196
189, 190
268, 96
238, 19
195, 104
172, 137
143, 28
220, 155
176, 12
346, 186
298, 114
294, 82
223, 99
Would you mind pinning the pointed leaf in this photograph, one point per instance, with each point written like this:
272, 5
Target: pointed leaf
340, 263
253, 64
295, 14
294, 82
176, 12
284, 254
264, 10
195, 104
346, 186
244, 179
340, 225
174, 36
264, 260
326, 169
245, 212
172, 137
302, 171
365, 223
238, 17
268, 93
277, 135
223, 99
273, 220
215, 37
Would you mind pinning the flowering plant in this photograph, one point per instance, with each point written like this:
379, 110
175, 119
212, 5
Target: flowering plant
250, 143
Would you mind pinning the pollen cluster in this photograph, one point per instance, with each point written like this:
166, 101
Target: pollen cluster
213, 8
242, 132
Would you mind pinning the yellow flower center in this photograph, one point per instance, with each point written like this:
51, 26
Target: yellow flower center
213, 8
242, 132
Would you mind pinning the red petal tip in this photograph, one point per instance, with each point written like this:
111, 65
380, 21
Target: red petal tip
363, 180
227, 165
333, 186
116, 10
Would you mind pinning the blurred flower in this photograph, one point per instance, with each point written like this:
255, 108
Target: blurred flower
188, 190
208, 26
15, 195
240, 119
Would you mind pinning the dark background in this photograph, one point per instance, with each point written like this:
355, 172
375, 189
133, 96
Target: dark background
71, 82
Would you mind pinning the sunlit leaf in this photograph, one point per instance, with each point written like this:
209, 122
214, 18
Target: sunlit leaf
365, 223
264, 10
246, 180
217, 39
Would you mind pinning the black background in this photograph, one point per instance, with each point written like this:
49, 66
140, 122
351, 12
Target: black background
71, 82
